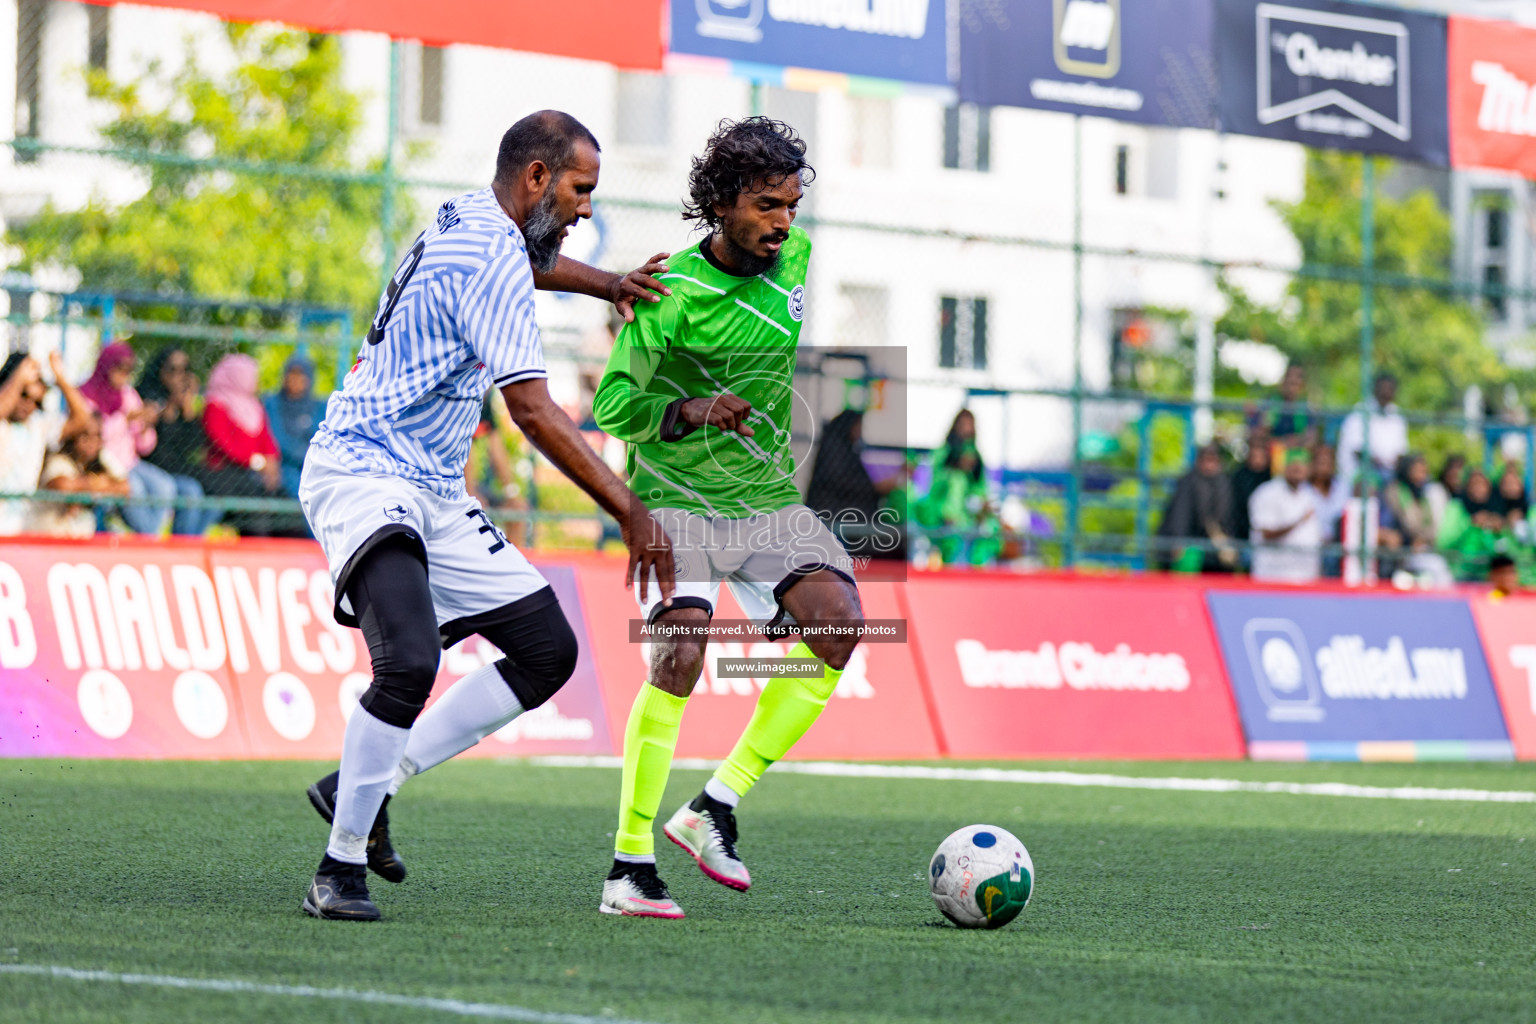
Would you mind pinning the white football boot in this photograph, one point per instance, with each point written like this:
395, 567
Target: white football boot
635, 890
708, 834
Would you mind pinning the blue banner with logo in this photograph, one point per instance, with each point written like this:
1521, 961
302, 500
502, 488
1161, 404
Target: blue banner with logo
1147, 61
899, 39
1346, 76
1327, 676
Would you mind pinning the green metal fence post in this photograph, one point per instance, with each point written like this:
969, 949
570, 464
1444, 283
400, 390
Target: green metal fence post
389, 181
1367, 344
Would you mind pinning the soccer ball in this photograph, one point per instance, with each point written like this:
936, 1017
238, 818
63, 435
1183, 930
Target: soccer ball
981, 877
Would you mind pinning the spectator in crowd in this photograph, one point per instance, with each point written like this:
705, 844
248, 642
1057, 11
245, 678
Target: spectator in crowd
167, 380
1407, 529
27, 430
128, 435
957, 505
1504, 576
1511, 502
76, 468
1286, 535
1200, 510
294, 414
1247, 478
1388, 438
1330, 490
1473, 529
845, 495
242, 457
1445, 487
1288, 419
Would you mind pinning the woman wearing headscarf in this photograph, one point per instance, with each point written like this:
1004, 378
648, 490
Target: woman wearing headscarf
167, 380
127, 436
1473, 528
842, 489
1408, 521
957, 504
242, 459
293, 414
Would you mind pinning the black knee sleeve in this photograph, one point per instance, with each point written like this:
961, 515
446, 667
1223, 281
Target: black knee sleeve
389, 593
540, 652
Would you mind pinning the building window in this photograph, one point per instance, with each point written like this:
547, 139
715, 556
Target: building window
1122, 170
643, 109
869, 143
430, 93
98, 26
1495, 224
31, 20
968, 137
1162, 163
1493, 291
962, 333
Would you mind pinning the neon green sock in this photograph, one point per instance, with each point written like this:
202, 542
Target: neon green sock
649, 739
786, 708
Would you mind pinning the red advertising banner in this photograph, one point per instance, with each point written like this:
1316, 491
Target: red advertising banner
622, 32
877, 711
1508, 629
1037, 667
130, 648
1493, 95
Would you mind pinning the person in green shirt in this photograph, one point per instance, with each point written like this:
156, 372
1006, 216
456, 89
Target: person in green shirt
700, 387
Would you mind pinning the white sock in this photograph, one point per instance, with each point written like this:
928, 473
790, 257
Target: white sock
369, 753
635, 858
472, 709
717, 790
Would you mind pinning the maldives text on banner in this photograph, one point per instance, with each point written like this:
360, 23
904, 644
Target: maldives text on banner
1148, 61
896, 39
1493, 95
1342, 75
1327, 676
627, 34
147, 650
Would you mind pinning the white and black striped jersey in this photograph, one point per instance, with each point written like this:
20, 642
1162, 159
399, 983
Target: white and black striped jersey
456, 318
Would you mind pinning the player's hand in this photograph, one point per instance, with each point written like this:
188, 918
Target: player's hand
28, 372
638, 285
55, 364
725, 411
650, 549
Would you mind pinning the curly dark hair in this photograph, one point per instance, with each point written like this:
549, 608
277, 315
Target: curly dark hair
753, 151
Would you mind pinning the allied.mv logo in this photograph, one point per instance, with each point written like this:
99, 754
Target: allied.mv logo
737, 20
797, 303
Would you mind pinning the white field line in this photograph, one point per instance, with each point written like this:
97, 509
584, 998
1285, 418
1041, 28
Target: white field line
488, 1011
1089, 779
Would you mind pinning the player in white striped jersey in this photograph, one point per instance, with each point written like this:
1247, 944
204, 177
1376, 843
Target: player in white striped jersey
416, 562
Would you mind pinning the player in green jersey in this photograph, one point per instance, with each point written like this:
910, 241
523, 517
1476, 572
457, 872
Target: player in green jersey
700, 385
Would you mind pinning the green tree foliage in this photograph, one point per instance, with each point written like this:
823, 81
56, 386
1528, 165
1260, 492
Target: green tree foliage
1431, 339
235, 232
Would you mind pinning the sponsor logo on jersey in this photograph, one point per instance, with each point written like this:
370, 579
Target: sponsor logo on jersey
396, 512
796, 302
1078, 666
1334, 74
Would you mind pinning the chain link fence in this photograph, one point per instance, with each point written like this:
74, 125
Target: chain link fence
1103, 299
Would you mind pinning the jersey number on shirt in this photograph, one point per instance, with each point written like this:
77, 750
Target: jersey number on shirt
396, 286
486, 526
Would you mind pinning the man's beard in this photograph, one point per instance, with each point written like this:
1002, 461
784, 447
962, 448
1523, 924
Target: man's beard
745, 261
541, 233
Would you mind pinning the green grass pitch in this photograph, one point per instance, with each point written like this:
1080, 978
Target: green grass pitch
1150, 906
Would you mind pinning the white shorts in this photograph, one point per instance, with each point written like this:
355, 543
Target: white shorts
760, 557
471, 567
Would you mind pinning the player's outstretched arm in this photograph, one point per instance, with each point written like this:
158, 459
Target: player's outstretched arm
551, 431
623, 290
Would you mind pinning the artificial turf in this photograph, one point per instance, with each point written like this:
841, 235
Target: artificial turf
1149, 906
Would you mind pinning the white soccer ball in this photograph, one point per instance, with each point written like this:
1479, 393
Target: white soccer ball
981, 877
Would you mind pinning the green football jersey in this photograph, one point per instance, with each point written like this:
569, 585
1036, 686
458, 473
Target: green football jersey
717, 332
